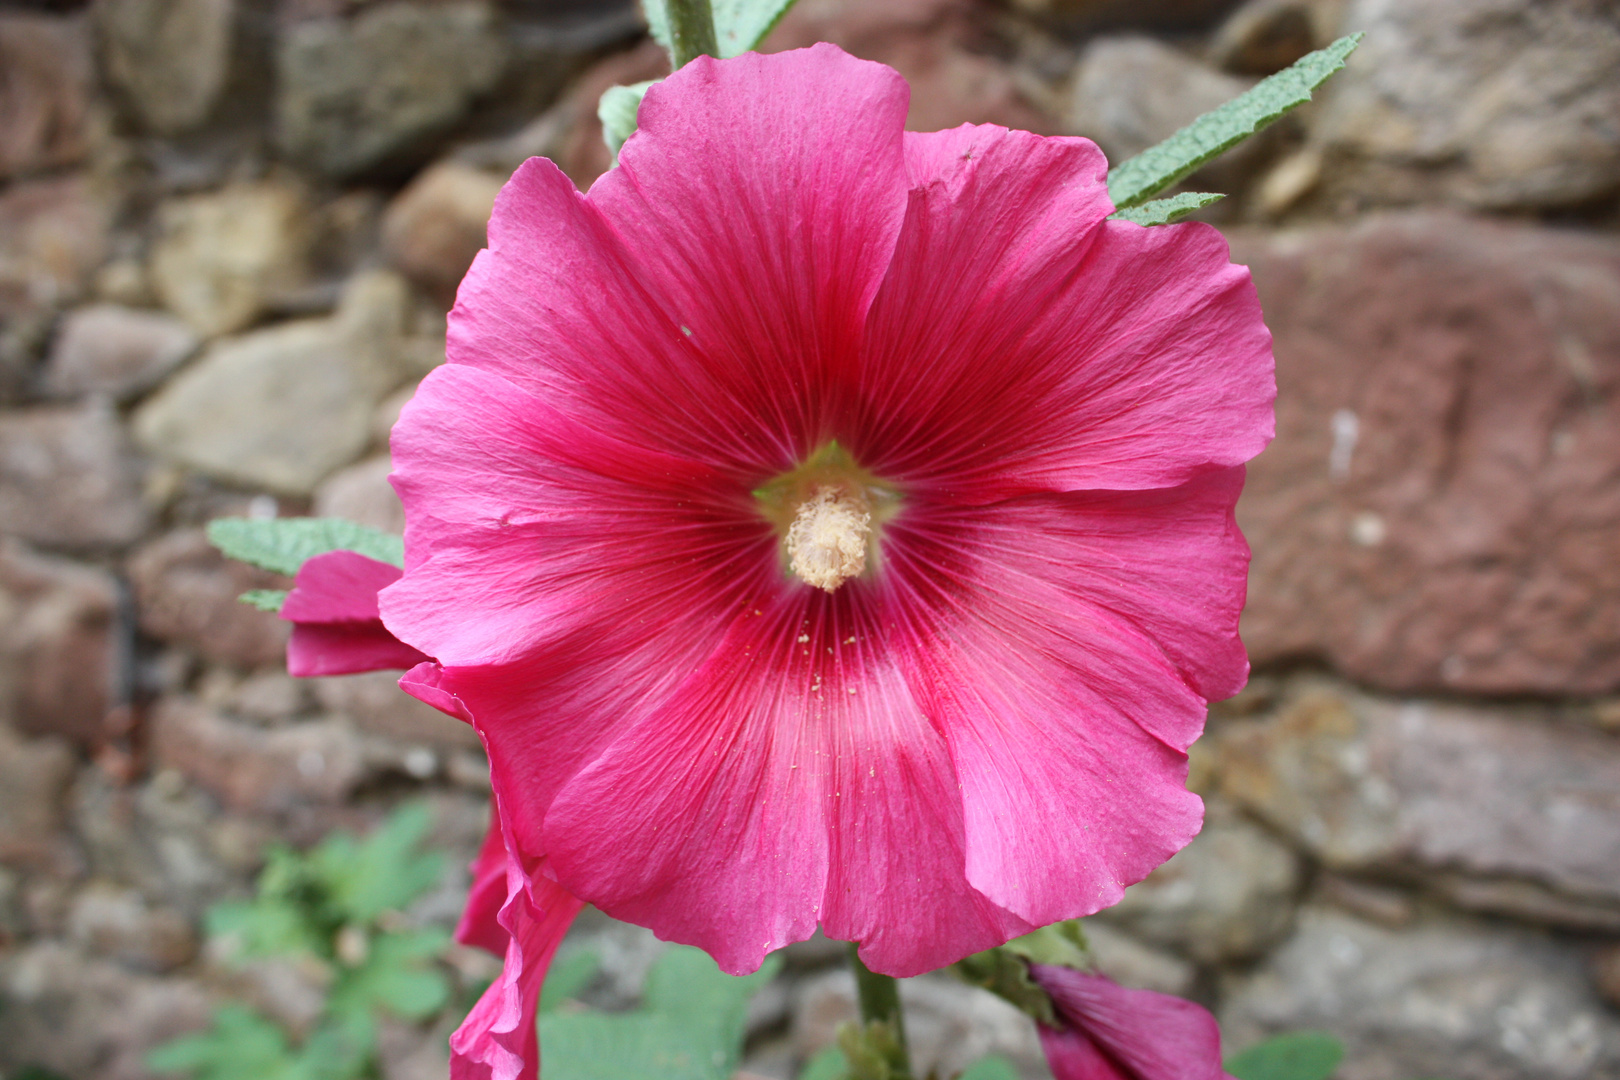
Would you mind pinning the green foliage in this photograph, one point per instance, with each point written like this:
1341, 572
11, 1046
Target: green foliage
1133, 182
830, 1064
337, 906
990, 1068
571, 971
282, 545
739, 25
1164, 211
617, 110
1297, 1055
265, 599
689, 1026
1004, 971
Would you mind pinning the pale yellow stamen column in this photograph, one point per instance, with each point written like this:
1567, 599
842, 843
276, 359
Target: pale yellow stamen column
827, 541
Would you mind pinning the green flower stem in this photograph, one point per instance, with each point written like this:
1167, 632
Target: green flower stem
691, 30
880, 1004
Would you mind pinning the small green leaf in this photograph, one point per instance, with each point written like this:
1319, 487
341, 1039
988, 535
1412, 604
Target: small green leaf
739, 25
830, 1064
384, 871
617, 110
396, 975
241, 1045
282, 545
1298, 1055
1060, 944
1164, 211
265, 599
1133, 182
991, 1068
571, 972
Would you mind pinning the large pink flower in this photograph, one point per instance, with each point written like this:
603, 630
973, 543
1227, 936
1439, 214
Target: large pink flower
1110, 1033
830, 523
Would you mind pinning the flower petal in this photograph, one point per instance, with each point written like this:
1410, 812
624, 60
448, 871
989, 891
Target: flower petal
480, 924
498, 1040
761, 197
346, 649
791, 777
1145, 1035
1064, 659
338, 586
1071, 1055
698, 295
1021, 343
548, 528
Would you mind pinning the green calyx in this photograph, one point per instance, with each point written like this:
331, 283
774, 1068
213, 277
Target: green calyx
1004, 971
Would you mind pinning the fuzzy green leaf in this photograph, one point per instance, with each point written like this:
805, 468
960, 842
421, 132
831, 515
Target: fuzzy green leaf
265, 599
1133, 182
830, 1064
1298, 1055
990, 1068
382, 872
739, 25
1164, 211
241, 1045
282, 545
689, 1027
571, 972
617, 110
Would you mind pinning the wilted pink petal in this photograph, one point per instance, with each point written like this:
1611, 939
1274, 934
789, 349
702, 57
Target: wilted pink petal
1111, 1033
1029, 421
336, 628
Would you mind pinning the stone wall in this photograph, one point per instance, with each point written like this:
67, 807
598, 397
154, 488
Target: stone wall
229, 231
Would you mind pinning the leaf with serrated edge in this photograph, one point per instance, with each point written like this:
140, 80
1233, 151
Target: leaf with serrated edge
1164, 211
1135, 181
265, 599
739, 25
282, 545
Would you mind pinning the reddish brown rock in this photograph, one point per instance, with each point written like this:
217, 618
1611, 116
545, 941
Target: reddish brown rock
186, 592
378, 706
435, 227
1441, 507
45, 86
927, 41
68, 478
253, 769
1504, 809
52, 234
56, 649
114, 350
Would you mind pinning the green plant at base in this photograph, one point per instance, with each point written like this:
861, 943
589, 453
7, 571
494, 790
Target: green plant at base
337, 906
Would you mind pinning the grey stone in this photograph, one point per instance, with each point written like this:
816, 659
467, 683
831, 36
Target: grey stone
1436, 999
46, 92
114, 350
281, 408
1265, 36
1139, 966
222, 256
1500, 104
1129, 93
81, 1017
376, 704
68, 478
1228, 895
169, 58
57, 654
357, 94
117, 922
1498, 796
362, 493
949, 1024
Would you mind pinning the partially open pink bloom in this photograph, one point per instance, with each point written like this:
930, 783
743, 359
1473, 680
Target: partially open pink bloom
523, 916
1111, 1033
336, 628
830, 523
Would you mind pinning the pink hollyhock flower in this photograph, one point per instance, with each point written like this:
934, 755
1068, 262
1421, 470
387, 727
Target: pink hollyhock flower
824, 522
336, 628
1111, 1033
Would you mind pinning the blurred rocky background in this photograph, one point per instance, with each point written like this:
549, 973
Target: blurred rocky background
229, 233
